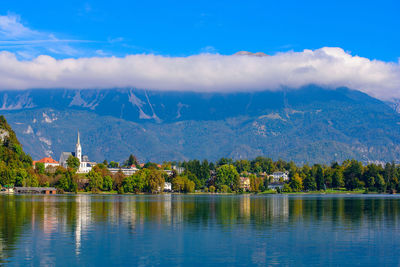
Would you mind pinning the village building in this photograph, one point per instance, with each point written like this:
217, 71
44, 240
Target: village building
179, 170
245, 183
276, 186
126, 171
167, 187
280, 177
47, 162
85, 165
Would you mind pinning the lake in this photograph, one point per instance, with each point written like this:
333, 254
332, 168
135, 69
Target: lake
193, 230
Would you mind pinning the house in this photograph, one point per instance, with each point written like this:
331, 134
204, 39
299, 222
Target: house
167, 187
179, 170
245, 183
126, 171
47, 162
276, 186
280, 177
85, 166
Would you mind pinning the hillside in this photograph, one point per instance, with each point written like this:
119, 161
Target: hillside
11, 153
307, 125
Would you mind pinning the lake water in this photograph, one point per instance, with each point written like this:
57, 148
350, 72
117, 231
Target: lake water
193, 230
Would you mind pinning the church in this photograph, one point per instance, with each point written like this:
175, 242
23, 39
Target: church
85, 166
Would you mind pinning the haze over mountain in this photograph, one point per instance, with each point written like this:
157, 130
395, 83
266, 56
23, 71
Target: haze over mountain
311, 124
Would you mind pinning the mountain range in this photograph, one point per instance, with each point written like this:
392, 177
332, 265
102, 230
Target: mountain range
306, 125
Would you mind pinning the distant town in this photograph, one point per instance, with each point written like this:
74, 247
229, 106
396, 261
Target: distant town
75, 173
277, 179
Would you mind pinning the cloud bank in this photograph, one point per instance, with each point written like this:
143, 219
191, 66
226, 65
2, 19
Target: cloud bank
328, 67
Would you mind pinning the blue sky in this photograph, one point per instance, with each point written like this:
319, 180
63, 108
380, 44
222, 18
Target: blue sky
190, 45
369, 29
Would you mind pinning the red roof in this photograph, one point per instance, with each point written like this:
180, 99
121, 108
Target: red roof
46, 160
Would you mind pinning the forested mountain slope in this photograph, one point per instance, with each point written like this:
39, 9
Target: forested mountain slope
311, 124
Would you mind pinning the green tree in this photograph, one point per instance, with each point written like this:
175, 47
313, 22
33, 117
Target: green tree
242, 165
66, 182
107, 183
155, 181
189, 186
39, 166
309, 183
286, 188
390, 176
227, 175
352, 175
113, 164
370, 175
20, 177
296, 184
225, 189
132, 160
380, 183
178, 184
255, 183
337, 178
224, 161
134, 183
95, 180
73, 162
318, 174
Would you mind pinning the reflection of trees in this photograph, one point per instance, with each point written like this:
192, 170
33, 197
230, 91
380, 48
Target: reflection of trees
14, 216
78, 214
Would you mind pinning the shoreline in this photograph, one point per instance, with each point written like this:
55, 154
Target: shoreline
336, 192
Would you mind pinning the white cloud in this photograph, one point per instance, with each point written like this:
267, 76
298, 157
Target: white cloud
12, 28
28, 43
330, 67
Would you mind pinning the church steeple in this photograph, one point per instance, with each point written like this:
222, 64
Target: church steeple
78, 142
78, 149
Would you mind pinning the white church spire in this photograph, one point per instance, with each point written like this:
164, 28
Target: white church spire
78, 149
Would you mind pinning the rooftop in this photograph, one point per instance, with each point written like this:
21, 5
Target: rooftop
46, 160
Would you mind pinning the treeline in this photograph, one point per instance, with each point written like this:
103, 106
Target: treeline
350, 175
221, 176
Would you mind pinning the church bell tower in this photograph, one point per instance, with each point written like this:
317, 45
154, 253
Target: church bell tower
78, 149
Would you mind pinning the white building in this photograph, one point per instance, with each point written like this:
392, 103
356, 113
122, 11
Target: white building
48, 161
167, 187
85, 166
179, 170
280, 176
126, 171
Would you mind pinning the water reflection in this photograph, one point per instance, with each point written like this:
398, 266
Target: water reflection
34, 223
